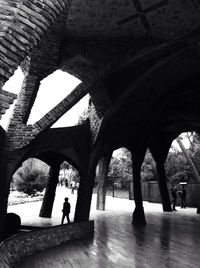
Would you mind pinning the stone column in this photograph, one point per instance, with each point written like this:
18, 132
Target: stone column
84, 198
25, 101
103, 167
137, 160
13, 140
163, 186
49, 196
6, 171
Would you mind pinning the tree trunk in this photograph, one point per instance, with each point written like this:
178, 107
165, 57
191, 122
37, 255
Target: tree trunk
190, 162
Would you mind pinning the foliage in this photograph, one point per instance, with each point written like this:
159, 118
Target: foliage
195, 152
148, 172
177, 168
120, 169
31, 176
83, 117
94, 117
65, 165
74, 175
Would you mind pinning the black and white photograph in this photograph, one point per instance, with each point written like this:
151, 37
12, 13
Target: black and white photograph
99, 133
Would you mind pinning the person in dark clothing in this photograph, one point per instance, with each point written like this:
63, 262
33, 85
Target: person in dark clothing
183, 197
66, 211
174, 197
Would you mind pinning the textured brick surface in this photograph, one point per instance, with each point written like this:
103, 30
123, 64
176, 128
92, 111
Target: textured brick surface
19, 246
23, 25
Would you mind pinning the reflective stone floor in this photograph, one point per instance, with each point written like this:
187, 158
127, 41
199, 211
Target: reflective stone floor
169, 240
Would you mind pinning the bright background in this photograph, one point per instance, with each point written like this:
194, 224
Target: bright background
53, 89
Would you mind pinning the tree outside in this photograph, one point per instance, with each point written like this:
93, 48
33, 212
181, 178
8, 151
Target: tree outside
177, 166
31, 177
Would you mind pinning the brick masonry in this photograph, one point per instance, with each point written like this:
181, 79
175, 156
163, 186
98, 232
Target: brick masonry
14, 249
23, 25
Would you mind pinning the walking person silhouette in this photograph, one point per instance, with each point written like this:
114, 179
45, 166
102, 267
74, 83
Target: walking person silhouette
66, 211
183, 197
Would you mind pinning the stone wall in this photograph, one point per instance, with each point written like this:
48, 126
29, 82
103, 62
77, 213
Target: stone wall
15, 248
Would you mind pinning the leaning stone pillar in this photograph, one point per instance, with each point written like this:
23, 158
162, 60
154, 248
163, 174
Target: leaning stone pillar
25, 100
103, 167
84, 198
163, 186
4, 192
6, 170
138, 214
49, 196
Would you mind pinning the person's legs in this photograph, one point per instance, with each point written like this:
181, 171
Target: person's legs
184, 202
68, 220
174, 204
63, 216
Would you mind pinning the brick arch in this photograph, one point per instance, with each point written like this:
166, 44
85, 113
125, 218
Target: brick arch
72, 143
49, 157
77, 93
24, 25
80, 67
160, 80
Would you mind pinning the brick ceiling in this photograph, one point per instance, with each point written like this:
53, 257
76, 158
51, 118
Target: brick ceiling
165, 19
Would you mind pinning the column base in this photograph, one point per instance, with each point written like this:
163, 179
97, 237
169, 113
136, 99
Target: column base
167, 209
139, 217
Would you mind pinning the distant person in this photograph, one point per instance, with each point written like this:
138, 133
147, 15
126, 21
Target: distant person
77, 185
66, 211
183, 197
66, 183
174, 197
73, 186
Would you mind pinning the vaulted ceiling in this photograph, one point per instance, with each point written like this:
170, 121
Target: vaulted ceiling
163, 19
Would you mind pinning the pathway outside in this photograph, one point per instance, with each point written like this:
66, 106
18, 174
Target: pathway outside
169, 240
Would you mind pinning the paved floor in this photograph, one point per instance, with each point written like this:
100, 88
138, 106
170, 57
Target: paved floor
169, 240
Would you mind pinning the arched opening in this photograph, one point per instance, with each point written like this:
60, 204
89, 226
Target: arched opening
29, 187
181, 168
113, 176
53, 89
30, 178
120, 173
69, 177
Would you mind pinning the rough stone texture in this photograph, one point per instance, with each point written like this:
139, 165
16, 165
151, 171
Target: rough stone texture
23, 25
19, 246
6, 99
